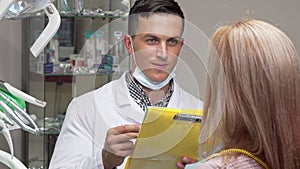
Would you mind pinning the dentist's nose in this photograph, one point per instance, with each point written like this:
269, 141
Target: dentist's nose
161, 51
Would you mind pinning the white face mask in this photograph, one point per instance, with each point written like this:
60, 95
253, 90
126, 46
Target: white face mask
144, 80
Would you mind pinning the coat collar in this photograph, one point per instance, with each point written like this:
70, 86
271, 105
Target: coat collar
121, 92
124, 103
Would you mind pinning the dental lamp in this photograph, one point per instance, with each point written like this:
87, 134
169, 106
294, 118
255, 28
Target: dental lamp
5, 6
12, 9
13, 116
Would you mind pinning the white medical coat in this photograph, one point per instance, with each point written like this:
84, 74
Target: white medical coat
90, 115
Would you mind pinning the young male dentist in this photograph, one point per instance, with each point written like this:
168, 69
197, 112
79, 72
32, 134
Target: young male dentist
100, 125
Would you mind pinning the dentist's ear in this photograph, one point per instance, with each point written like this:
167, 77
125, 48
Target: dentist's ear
182, 42
128, 43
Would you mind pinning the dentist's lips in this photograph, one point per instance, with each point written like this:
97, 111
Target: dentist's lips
158, 66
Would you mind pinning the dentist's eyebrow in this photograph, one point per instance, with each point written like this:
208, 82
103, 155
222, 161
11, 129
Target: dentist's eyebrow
176, 38
149, 36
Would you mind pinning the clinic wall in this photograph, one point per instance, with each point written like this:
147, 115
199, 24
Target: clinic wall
208, 15
10, 70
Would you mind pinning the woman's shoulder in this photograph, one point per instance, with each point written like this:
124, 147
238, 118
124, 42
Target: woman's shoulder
240, 162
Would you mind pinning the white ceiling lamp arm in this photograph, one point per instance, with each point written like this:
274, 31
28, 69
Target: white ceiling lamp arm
49, 31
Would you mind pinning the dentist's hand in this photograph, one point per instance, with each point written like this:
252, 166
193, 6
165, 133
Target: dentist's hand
185, 160
118, 144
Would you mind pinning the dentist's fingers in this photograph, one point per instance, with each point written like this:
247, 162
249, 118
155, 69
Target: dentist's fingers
118, 144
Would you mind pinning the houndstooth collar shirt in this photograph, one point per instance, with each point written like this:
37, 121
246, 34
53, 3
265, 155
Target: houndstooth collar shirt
140, 96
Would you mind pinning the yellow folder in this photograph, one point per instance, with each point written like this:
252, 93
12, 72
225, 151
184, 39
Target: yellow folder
165, 136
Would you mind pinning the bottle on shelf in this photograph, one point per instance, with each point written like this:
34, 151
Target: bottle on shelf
99, 45
63, 6
53, 49
89, 49
78, 6
118, 50
118, 45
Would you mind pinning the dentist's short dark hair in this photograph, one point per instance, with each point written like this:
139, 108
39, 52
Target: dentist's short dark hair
146, 8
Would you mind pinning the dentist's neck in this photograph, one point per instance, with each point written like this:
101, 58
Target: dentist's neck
156, 95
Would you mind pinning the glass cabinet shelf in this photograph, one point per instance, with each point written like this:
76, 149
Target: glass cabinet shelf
108, 14
91, 14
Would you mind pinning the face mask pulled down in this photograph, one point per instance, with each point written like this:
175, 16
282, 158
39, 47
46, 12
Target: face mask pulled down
144, 80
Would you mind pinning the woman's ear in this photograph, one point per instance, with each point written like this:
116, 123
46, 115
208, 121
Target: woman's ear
127, 43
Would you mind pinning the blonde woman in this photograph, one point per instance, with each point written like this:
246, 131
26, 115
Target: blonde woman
259, 97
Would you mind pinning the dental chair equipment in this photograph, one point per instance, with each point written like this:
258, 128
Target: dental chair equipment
13, 115
12, 9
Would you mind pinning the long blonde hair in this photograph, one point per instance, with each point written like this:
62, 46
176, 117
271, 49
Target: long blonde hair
261, 92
